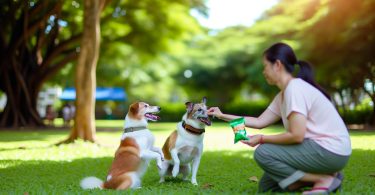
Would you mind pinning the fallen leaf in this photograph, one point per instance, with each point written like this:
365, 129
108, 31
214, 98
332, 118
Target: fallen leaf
207, 186
253, 179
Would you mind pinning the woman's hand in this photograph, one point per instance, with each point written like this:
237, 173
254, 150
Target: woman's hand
214, 111
253, 140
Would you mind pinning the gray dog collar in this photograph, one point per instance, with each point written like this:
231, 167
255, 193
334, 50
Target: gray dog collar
132, 129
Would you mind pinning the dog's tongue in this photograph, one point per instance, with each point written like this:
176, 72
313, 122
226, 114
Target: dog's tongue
205, 120
152, 117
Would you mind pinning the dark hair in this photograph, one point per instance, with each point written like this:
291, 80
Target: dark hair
284, 53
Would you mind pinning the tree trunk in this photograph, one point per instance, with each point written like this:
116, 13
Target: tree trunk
20, 110
85, 76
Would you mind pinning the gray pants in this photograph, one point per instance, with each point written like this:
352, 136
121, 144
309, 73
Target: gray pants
285, 164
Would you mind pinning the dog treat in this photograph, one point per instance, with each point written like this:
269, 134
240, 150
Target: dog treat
238, 126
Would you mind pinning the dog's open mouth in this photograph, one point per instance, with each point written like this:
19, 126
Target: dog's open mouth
205, 120
152, 117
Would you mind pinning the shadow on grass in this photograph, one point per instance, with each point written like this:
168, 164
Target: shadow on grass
14, 136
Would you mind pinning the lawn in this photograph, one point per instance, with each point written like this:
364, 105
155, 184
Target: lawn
29, 162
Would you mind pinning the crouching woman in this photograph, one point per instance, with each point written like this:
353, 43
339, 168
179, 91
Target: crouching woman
315, 146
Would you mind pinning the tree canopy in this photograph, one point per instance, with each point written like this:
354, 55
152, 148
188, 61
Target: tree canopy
147, 46
39, 38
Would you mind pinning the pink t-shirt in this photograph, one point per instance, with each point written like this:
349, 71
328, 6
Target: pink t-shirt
324, 124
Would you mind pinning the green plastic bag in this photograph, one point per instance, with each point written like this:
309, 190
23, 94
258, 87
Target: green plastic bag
238, 126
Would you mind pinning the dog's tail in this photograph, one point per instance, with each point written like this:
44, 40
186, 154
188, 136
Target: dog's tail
91, 183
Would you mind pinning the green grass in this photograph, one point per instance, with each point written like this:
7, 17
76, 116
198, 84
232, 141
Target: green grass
29, 162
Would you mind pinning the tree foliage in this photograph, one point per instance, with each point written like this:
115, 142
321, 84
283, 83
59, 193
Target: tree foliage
148, 45
335, 36
39, 38
33, 46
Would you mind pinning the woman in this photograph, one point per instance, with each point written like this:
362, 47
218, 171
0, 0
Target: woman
316, 144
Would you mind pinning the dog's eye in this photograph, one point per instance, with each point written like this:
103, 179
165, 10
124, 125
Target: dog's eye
146, 106
199, 109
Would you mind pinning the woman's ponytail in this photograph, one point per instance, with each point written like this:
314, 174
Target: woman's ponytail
306, 74
305, 71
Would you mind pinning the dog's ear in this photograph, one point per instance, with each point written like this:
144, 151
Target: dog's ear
134, 108
204, 100
189, 106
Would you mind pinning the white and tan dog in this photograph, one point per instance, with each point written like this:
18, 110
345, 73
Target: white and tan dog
185, 145
134, 153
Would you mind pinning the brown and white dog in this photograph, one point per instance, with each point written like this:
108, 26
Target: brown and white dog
134, 153
185, 145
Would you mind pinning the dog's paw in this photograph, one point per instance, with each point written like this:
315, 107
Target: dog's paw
194, 183
175, 171
162, 180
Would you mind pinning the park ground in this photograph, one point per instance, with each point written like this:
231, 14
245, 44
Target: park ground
30, 163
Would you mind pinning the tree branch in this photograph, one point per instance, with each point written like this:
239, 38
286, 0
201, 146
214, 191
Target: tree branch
52, 36
37, 8
59, 49
54, 68
35, 25
104, 4
11, 14
38, 46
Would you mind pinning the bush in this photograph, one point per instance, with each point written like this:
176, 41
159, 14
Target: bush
357, 116
361, 114
251, 108
171, 112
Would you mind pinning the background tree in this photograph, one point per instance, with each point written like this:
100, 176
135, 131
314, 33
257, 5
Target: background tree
344, 54
33, 47
84, 126
329, 34
148, 45
84, 122
39, 38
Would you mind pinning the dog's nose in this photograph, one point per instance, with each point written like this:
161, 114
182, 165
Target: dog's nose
159, 108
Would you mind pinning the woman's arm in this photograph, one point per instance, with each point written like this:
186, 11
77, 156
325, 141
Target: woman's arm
265, 119
294, 135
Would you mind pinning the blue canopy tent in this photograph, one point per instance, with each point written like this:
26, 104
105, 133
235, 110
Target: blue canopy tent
102, 94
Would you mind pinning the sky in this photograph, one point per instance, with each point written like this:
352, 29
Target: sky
225, 13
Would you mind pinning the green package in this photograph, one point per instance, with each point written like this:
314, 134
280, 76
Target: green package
238, 126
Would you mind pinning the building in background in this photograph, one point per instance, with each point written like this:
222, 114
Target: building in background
47, 97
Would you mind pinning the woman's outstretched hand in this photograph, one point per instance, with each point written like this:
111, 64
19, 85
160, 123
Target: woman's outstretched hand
214, 111
253, 141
